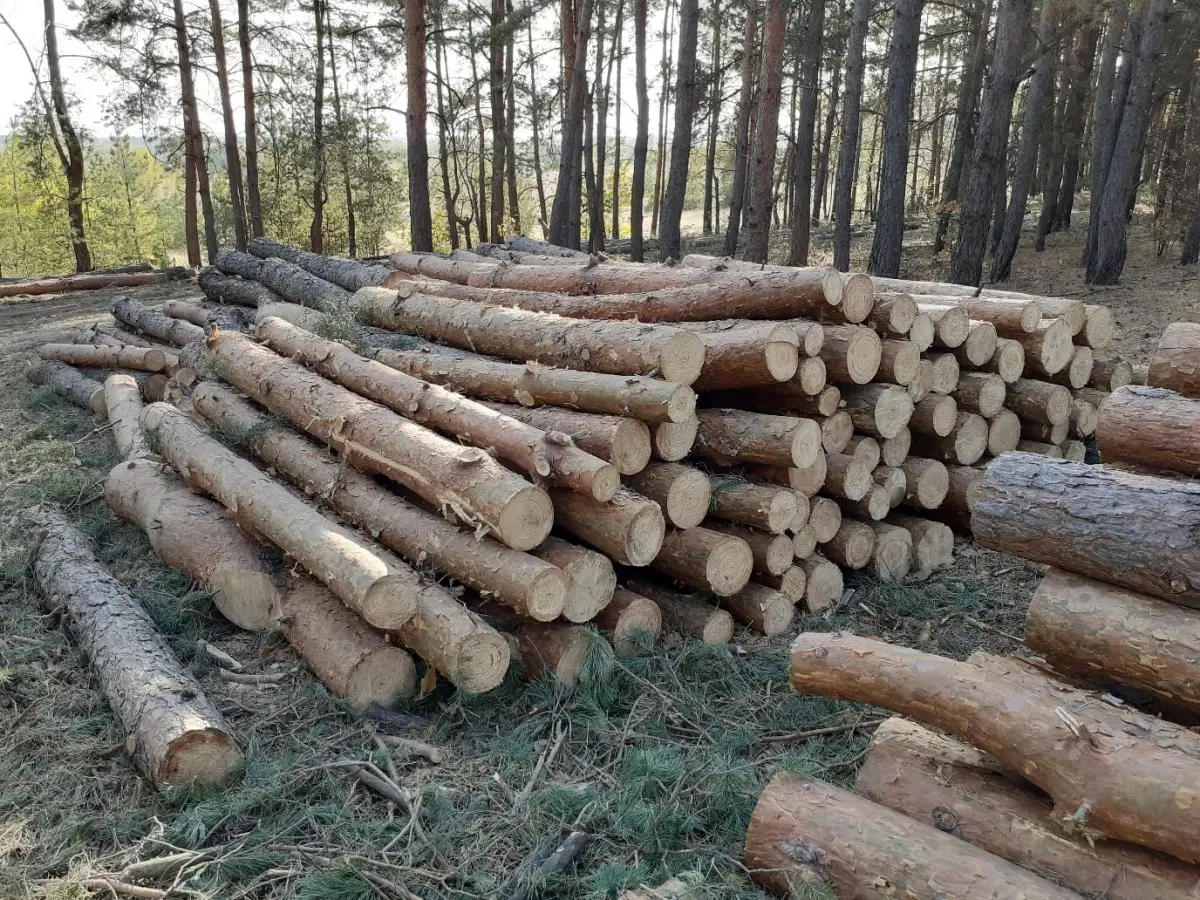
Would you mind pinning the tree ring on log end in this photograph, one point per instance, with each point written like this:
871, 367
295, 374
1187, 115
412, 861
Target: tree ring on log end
645, 535
381, 677
682, 358
204, 756
728, 567
858, 297
482, 662
526, 519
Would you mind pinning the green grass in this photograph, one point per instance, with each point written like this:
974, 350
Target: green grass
660, 757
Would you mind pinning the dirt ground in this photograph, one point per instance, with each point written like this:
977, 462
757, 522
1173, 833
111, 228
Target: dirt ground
660, 758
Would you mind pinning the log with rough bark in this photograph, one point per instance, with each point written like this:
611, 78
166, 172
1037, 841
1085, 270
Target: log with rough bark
751, 355
932, 543
634, 621
1110, 374
156, 325
681, 491
284, 278
965, 444
1051, 307
1116, 784
374, 583
1132, 530
1106, 633
773, 553
349, 274
934, 416
762, 608
120, 335
530, 586
946, 372
846, 477
894, 481
825, 517
894, 314
853, 293
1006, 316
221, 288
892, 556
188, 312
123, 401
178, 736
614, 348
981, 392
872, 507
687, 615
960, 791
1048, 349
462, 481
881, 410
760, 505
522, 244
531, 384
951, 324
142, 359
673, 441
898, 362
808, 836
729, 436
852, 546
622, 441
807, 481
705, 559
591, 578
927, 482
1008, 361
541, 454
70, 383
851, 353
1150, 427
629, 528
1004, 432
93, 281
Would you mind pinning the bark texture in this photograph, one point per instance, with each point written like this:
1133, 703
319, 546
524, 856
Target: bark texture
1175, 364
70, 383
1150, 427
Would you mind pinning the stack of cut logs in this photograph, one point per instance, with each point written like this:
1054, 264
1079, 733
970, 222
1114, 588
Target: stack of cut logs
1083, 764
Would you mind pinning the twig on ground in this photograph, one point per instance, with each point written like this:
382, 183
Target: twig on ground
797, 736
243, 678
219, 656
984, 626
413, 747
544, 762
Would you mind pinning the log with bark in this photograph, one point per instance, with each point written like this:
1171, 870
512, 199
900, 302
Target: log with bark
881, 410
622, 441
1106, 633
755, 354
1008, 361
1078, 371
871, 507
980, 345
806, 835
965, 444
673, 441
951, 324
898, 362
1116, 784
681, 491
927, 482
629, 529
69, 382
221, 288
1110, 374
773, 553
1051, 307
123, 401
955, 510
980, 392
761, 608
177, 736
1047, 434
530, 586
461, 481
1152, 427
851, 353
591, 578
846, 477
958, 790
634, 621
93, 281
541, 454
933, 416
921, 332
852, 546
825, 517
348, 274
792, 583
892, 556
1006, 316
894, 314
946, 372
289, 281
188, 312
142, 359
549, 649
705, 559
836, 431
145, 321
1128, 529
1004, 432
932, 543
1048, 349
1100, 327
760, 505
728, 436
1075, 451
824, 583
614, 348
686, 614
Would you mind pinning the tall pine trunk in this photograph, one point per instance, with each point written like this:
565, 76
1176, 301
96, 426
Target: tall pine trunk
619, 57
802, 161
343, 143
664, 105
1082, 61
510, 122
681, 136
822, 184
1106, 117
761, 178
902, 71
420, 215
195, 140
448, 195
715, 84
481, 188
71, 149
233, 160
741, 157
535, 119
564, 217
496, 88
847, 168
1052, 153
641, 141
316, 233
253, 198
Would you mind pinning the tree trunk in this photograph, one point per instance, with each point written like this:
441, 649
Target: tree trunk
1082, 62
1145, 426
715, 87
769, 507
802, 158
819, 192
637, 194
748, 356
741, 158
123, 401
847, 169
348, 274
623, 441
194, 137
141, 359
233, 161
449, 197
629, 529
761, 174
706, 560
1044, 510
564, 217
70, 383
316, 232
634, 621
220, 288
664, 103
156, 325
1106, 115
618, 61
1104, 633
72, 158
1175, 363
510, 122
420, 217
496, 95
287, 279
729, 436
681, 136
253, 201
179, 736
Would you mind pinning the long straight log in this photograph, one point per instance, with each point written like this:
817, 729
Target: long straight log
70, 383
622, 441
881, 410
178, 736
614, 348
1120, 527
1006, 316
865, 448
747, 356
1085, 419
1088, 628
836, 431
629, 528
892, 556
894, 450
1004, 432
648, 399
918, 389
464, 482
705, 559
764, 506
1150, 427
846, 476
348, 274
1110, 374
1078, 372
687, 615
957, 789
90, 282
516, 579
825, 517
894, 482
806, 834
1113, 783
123, 401
922, 331
540, 454
143, 359
145, 321
284, 278
807, 481
1048, 348
682, 492
851, 353
220, 288
730, 436
806, 335
634, 621
1073, 311
1008, 361
188, 312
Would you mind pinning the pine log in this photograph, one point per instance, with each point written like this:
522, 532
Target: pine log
1042, 433
762, 608
934, 416
1097, 631
629, 528
1051, 307
648, 399
1110, 374
284, 278
1008, 361
851, 353
1048, 349
965, 444
1005, 316
1075, 451
673, 441
178, 736
301, 316
1099, 329
119, 335
1115, 784
784, 398
682, 492
1150, 427
349, 274
951, 324
221, 288
836, 431
980, 345
746, 356
1078, 371
960, 791
70, 383
522, 244
804, 541
773, 553
635, 622
1140, 375
1085, 419
792, 583
462, 481
1046, 510
825, 517
922, 330
922, 383
825, 583
852, 546
894, 450
518, 580
806, 835
730, 436
686, 615
614, 348
622, 441
811, 376
865, 448
846, 477
892, 556
1052, 451
981, 392
591, 578
807, 481
143, 359
123, 401
880, 410
1004, 432
893, 314
145, 321
894, 481
932, 543
552, 649
154, 387
946, 372
188, 312
898, 362
927, 481
955, 510
90, 281
1092, 396
764, 506
705, 559
540, 454
872, 507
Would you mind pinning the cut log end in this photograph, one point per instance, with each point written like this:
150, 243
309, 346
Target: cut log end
645, 536
858, 297
980, 344
852, 546
825, 583
381, 677
631, 446
688, 499
782, 360
1100, 327
682, 358
391, 600
591, 579
921, 331
526, 519
811, 375
729, 567
207, 756
673, 440
1008, 361
606, 481
928, 482
681, 406
630, 617
1004, 432
482, 662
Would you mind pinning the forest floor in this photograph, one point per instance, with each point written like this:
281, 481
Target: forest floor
660, 758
